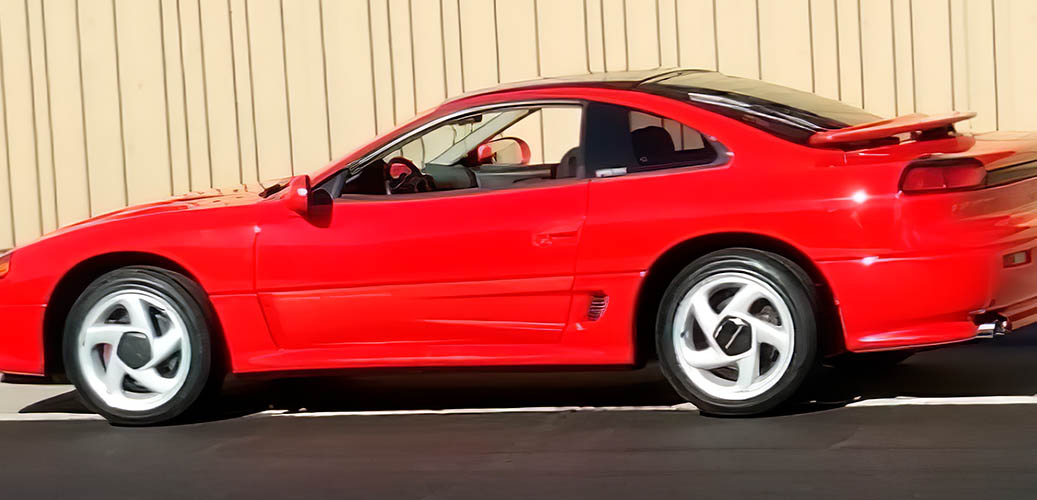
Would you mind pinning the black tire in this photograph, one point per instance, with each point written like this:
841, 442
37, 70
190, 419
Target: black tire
188, 300
795, 288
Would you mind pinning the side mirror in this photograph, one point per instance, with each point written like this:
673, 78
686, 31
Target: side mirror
314, 205
506, 151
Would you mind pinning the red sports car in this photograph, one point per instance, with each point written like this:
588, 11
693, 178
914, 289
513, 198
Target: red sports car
738, 231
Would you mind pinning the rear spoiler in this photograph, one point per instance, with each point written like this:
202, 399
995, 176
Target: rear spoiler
888, 128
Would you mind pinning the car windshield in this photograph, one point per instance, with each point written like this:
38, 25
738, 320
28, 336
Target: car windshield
468, 133
786, 112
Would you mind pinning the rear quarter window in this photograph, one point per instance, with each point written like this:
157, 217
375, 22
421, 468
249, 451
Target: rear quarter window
661, 142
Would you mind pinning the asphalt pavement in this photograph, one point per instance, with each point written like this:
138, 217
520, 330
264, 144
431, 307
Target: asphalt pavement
958, 422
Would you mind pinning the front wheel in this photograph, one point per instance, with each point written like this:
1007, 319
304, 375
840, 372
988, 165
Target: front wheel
737, 332
137, 345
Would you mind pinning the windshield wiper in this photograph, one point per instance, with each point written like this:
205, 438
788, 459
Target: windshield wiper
273, 189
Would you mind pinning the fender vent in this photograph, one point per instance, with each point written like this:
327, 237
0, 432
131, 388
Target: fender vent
599, 302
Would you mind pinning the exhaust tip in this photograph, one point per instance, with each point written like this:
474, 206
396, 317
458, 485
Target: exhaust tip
993, 326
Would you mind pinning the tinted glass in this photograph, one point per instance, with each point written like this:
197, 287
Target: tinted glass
786, 112
661, 142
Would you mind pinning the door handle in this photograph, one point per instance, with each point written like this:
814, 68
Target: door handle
547, 239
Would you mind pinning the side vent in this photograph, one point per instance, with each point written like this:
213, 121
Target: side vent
599, 302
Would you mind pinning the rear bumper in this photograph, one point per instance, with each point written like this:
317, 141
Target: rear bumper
888, 303
21, 339
939, 268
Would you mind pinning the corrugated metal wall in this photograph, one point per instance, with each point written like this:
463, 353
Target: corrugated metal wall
110, 102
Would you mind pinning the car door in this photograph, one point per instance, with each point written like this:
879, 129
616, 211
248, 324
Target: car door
470, 266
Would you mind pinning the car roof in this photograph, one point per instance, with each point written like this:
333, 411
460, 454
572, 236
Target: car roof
623, 80
785, 112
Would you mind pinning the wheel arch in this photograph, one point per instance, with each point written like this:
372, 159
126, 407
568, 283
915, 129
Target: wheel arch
662, 271
79, 277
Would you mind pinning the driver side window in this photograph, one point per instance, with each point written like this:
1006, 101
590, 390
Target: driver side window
503, 148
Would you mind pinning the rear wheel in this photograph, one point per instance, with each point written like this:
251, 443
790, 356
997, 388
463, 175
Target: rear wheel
137, 345
737, 333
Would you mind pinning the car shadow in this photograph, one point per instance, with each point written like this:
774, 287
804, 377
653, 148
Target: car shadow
1000, 367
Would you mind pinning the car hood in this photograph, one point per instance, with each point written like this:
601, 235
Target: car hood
196, 200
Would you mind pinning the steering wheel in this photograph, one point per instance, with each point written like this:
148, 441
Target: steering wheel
402, 176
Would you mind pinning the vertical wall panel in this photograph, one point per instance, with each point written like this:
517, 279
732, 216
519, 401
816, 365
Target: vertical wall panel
350, 80
384, 67
176, 119
667, 21
196, 100
451, 18
696, 34
904, 55
932, 56
878, 63
614, 25
402, 58
1016, 75
561, 23
268, 78
595, 36
429, 75
959, 56
307, 99
848, 27
785, 43
478, 44
6, 209
825, 34
220, 90
642, 34
517, 39
104, 129
143, 100
738, 38
21, 121
980, 65
70, 179
242, 75
41, 107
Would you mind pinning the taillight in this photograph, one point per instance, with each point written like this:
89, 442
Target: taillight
943, 175
5, 263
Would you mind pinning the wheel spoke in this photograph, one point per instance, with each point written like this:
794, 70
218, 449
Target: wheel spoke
743, 300
770, 334
152, 381
114, 374
137, 310
704, 314
748, 369
165, 346
707, 359
103, 334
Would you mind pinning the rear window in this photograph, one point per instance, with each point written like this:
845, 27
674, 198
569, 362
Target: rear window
786, 112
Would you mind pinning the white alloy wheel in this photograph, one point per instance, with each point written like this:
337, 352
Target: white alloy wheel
133, 350
733, 336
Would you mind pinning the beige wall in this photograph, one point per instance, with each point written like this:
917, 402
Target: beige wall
110, 102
